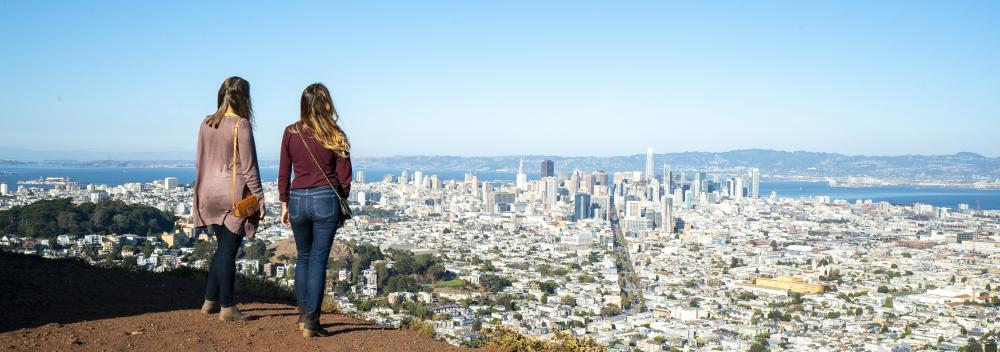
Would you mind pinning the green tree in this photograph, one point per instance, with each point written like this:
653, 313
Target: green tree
493, 283
973, 346
610, 310
203, 250
757, 347
147, 248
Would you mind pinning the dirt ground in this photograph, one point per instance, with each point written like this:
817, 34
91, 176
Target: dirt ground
69, 306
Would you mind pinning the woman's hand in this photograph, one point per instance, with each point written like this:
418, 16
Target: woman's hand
285, 219
263, 210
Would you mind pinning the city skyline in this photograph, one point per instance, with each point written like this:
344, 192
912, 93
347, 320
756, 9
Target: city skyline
869, 79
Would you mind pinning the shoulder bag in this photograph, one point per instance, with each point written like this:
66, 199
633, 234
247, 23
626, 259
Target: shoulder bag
249, 206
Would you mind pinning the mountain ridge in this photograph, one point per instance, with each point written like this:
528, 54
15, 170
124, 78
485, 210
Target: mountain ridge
963, 166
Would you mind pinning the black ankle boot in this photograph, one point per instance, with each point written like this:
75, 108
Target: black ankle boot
312, 327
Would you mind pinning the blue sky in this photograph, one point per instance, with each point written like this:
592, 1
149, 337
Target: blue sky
512, 77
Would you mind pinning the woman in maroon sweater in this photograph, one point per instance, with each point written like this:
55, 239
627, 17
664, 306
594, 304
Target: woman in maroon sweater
318, 152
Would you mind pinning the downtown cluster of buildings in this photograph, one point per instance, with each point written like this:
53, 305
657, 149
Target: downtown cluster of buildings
709, 262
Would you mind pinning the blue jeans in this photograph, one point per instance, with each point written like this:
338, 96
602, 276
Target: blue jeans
314, 213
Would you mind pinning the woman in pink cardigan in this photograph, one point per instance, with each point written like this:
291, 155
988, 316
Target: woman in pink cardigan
214, 190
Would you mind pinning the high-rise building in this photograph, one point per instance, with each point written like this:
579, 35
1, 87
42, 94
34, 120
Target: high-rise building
490, 203
696, 183
649, 164
581, 206
551, 190
601, 178
503, 198
548, 168
487, 191
587, 184
739, 188
170, 183
668, 179
633, 209
418, 179
359, 177
3, 189
666, 215
522, 178
404, 177
435, 183
755, 183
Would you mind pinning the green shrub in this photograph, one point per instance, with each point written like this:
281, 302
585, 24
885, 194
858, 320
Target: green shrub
506, 339
423, 327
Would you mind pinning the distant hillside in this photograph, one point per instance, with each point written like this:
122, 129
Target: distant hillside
957, 167
771, 162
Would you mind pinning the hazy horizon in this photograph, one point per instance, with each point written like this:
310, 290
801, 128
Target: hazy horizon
513, 78
67, 155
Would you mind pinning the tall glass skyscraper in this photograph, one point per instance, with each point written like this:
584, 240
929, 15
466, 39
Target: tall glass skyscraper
548, 168
581, 206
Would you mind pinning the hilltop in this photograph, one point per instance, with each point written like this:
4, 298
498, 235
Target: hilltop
61, 305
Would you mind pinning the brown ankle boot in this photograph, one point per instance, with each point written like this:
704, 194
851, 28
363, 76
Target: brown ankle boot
209, 307
301, 323
232, 314
312, 327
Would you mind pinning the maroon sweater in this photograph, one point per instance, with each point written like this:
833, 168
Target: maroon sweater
295, 156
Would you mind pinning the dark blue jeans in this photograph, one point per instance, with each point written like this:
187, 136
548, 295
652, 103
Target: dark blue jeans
314, 213
222, 269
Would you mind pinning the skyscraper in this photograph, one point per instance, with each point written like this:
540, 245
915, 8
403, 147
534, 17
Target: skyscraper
668, 179
435, 182
696, 183
404, 177
755, 183
418, 179
548, 168
666, 215
551, 190
522, 178
739, 188
581, 206
3, 189
489, 202
359, 177
649, 164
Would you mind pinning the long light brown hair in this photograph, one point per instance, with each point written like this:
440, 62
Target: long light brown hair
234, 93
320, 116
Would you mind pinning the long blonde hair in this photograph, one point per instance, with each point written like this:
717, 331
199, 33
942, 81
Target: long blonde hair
320, 116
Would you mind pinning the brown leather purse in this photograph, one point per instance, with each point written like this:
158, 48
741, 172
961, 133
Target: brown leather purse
249, 206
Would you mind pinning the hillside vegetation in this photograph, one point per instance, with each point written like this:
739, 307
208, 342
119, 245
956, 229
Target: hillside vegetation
54, 217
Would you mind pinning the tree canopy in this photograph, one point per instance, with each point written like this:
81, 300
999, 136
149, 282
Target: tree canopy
53, 217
